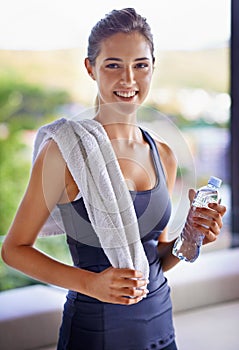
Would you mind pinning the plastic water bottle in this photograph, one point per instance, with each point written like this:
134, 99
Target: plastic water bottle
188, 244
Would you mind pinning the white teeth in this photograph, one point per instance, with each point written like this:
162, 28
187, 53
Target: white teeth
125, 94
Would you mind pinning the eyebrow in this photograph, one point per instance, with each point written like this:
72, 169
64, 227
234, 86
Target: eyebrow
120, 60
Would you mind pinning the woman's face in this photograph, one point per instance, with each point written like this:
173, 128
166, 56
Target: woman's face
123, 71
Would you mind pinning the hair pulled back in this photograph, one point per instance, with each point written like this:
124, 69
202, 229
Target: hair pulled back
118, 21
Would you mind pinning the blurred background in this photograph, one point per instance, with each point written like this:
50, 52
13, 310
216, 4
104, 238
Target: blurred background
42, 78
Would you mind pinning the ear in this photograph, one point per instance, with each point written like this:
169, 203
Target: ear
89, 68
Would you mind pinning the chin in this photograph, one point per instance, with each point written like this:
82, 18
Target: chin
126, 108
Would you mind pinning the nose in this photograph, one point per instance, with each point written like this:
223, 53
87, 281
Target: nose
128, 76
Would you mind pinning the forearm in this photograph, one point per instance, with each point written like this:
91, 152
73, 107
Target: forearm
41, 267
112, 285
168, 260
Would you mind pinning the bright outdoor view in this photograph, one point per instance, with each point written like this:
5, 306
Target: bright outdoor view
188, 106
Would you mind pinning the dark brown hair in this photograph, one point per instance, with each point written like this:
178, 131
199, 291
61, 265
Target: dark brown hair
118, 21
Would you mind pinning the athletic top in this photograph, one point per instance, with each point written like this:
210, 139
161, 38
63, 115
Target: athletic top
91, 324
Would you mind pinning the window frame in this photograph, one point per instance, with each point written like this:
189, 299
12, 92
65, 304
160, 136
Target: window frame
234, 122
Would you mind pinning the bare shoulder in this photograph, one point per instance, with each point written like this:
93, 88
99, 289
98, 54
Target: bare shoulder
51, 164
49, 168
50, 152
168, 160
55, 172
166, 154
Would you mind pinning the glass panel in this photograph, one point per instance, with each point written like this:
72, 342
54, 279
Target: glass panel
42, 79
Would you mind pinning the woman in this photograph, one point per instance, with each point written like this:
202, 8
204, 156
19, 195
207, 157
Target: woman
109, 307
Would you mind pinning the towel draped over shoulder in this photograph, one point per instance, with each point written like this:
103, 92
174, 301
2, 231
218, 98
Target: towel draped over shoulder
90, 158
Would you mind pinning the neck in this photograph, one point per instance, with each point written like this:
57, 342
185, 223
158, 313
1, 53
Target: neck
120, 126
120, 131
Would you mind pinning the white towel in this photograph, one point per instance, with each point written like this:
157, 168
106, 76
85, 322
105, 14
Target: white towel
90, 158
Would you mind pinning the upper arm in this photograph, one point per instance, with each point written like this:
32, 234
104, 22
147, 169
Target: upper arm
46, 184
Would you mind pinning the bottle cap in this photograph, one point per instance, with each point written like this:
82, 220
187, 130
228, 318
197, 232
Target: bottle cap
215, 181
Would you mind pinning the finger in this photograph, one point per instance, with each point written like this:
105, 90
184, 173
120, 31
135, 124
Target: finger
126, 300
209, 237
208, 214
129, 273
206, 227
129, 301
221, 209
208, 221
191, 194
127, 278
132, 292
135, 283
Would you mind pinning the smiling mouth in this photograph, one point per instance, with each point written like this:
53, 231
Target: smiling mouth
126, 94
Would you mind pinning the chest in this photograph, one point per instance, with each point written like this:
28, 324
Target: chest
137, 164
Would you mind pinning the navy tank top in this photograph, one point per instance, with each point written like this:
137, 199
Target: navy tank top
91, 324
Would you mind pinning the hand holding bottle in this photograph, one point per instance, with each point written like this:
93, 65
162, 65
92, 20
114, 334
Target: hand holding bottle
203, 223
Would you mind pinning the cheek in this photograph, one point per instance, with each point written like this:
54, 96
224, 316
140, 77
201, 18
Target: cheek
145, 77
149, 77
146, 82
104, 80
104, 87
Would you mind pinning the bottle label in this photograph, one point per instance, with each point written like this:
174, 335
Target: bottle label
203, 199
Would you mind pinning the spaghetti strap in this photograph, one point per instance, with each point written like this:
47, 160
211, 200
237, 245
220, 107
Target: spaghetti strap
155, 152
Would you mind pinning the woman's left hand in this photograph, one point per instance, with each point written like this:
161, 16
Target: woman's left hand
208, 220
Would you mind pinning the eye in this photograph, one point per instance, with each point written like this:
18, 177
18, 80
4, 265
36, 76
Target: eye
112, 65
141, 65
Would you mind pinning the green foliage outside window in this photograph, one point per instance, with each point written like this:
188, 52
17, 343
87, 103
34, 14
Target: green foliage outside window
23, 108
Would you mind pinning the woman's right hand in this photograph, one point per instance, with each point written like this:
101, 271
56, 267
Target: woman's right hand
118, 286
